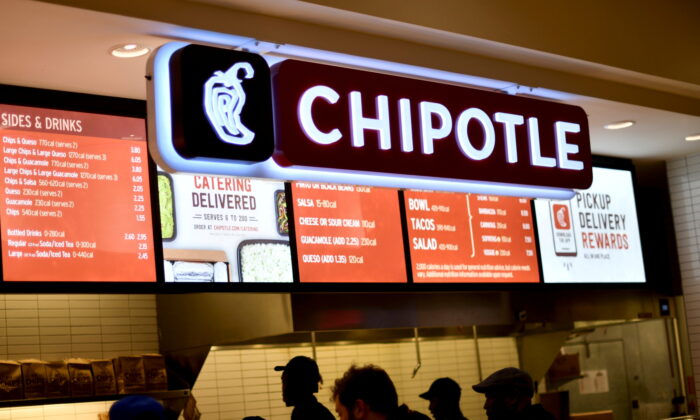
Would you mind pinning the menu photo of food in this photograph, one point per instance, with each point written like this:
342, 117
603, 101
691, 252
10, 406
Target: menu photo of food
220, 229
167, 208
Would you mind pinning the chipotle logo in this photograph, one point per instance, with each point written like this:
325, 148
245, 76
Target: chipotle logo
561, 216
214, 110
221, 105
339, 118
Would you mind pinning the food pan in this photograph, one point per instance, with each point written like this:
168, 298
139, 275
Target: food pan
166, 204
281, 215
267, 264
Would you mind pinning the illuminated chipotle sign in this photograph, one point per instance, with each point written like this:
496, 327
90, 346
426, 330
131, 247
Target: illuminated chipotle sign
219, 111
339, 118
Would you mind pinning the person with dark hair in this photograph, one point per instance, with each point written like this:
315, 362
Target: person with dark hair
137, 407
367, 393
509, 394
444, 395
300, 378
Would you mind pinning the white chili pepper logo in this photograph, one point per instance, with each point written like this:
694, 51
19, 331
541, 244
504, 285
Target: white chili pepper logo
224, 99
562, 218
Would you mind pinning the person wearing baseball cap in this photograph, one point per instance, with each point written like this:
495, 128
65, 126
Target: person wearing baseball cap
444, 394
300, 378
509, 394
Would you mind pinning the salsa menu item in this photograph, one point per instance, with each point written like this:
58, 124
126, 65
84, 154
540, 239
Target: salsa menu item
224, 229
594, 237
76, 197
347, 234
462, 238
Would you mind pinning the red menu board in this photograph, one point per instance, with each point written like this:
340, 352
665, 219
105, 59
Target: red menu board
76, 197
347, 234
470, 238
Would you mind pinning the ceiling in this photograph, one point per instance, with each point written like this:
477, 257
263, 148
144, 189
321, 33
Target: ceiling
58, 47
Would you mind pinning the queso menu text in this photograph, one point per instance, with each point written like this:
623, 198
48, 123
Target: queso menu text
347, 234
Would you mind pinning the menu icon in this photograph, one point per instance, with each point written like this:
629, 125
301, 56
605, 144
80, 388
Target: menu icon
563, 229
221, 104
561, 217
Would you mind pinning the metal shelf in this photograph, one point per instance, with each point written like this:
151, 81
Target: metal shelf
165, 396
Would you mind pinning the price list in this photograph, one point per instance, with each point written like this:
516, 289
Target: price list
347, 234
461, 238
75, 202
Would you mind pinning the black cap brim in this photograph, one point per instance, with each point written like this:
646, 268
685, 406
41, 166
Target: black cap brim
425, 395
280, 368
480, 388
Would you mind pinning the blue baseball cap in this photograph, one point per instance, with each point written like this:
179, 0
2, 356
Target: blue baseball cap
138, 407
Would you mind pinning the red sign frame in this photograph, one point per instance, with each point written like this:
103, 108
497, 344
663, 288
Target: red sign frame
338, 118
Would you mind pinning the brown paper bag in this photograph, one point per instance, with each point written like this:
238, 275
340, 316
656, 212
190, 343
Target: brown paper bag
10, 380
57, 379
34, 378
156, 375
81, 381
130, 374
105, 379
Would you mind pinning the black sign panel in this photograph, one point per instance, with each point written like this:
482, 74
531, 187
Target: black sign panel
221, 104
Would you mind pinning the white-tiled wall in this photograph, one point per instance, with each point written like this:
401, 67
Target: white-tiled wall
239, 382
684, 186
55, 327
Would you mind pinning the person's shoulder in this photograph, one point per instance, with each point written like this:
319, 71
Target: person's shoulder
312, 411
417, 415
318, 411
324, 413
537, 412
405, 413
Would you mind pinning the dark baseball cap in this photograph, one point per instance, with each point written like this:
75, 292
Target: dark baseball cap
506, 378
301, 367
442, 387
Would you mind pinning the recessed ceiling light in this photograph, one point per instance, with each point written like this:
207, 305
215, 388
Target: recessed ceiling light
128, 50
618, 125
693, 137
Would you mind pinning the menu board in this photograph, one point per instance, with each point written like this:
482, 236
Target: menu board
76, 197
224, 229
594, 237
348, 234
461, 238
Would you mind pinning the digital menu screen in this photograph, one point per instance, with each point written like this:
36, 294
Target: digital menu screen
470, 238
348, 234
75, 197
594, 237
224, 229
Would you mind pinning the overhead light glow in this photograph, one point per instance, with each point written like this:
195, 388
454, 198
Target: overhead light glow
693, 137
128, 50
619, 125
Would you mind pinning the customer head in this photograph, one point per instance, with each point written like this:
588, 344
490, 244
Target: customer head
137, 407
443, 394
364, 393
508, 391
300, 378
